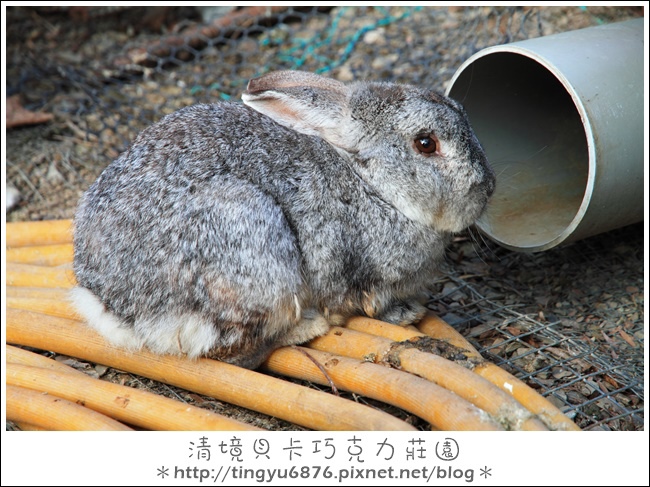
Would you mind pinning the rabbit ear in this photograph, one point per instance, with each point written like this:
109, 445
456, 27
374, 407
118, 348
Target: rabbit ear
302, 101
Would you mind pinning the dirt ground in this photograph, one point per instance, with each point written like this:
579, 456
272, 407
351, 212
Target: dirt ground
568, 321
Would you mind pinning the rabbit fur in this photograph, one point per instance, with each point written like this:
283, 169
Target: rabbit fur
229, 230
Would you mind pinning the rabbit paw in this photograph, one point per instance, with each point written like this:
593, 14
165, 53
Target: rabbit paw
403, 313
311, 325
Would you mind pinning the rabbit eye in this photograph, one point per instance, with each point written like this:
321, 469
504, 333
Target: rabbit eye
426, 144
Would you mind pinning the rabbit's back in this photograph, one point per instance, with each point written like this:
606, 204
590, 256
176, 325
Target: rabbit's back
169, 233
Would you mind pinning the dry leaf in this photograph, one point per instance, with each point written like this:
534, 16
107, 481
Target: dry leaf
630, 341
611, 381
17, 115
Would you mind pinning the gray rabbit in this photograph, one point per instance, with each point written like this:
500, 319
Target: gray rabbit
229, 230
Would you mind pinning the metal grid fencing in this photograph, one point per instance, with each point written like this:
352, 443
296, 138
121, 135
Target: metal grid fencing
106, 73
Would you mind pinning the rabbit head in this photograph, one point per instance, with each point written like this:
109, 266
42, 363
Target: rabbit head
415, 147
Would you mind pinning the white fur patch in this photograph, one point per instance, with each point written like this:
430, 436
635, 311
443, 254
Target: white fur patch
12, 196
178, 335
104, 322
188, 335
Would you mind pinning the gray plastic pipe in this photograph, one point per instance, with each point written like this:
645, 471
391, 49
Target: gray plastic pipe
561, 120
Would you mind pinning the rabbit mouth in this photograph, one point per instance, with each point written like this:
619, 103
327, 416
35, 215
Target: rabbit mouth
453, 223
458, 217
450, 223
445, 218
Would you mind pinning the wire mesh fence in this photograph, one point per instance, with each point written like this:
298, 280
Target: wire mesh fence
105, 73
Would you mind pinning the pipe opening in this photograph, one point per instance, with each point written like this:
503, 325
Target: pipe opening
534, 138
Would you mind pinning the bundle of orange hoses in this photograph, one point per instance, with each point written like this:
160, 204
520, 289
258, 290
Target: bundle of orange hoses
385, 362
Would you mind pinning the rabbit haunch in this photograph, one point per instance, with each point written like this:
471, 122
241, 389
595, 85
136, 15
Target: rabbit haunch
229, 230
